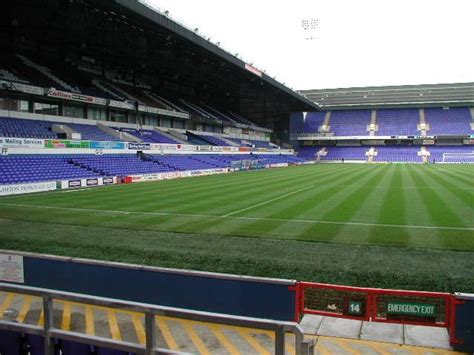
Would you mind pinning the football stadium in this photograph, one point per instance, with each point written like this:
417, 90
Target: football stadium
161, 195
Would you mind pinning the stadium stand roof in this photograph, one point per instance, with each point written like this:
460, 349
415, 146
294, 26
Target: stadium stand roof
393, 96
175, 59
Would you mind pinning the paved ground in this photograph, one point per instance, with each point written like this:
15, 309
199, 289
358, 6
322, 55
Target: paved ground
333, 336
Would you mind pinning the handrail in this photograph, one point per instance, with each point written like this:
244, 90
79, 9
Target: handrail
280, 328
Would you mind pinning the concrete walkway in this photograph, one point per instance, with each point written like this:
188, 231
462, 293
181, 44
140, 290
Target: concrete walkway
332, 335
420, 336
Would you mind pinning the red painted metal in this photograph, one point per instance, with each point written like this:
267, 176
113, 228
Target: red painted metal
372, 295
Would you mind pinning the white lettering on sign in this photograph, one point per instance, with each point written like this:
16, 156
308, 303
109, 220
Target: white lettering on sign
11, 268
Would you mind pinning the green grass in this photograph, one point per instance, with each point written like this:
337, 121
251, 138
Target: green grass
402, 226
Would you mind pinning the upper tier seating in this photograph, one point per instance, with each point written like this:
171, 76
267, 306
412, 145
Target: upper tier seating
213, 140
150, 136
313, 121
398, 122
456, 120
13, 127
350, 123
398, 154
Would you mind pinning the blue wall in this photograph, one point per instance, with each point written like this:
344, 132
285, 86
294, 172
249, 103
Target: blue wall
160, 287
465, 324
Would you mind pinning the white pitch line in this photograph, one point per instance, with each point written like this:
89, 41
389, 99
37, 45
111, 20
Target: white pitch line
267, 201
245, 218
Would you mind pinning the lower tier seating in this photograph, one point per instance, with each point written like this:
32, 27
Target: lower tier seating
36, 168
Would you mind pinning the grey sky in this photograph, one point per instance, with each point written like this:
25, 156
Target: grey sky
360, 42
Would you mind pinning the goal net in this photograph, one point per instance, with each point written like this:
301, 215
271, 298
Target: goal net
458, 158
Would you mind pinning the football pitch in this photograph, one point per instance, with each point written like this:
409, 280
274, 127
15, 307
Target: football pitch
393, 225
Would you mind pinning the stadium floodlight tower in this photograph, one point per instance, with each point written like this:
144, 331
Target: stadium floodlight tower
311, 28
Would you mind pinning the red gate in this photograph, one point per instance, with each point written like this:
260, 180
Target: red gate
372, 304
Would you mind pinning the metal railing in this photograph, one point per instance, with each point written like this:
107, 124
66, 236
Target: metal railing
50, 333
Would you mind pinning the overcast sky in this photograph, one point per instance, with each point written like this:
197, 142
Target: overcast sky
359, 43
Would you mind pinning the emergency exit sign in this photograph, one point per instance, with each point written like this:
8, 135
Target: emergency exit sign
411, 309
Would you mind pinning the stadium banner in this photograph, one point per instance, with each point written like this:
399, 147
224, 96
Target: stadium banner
6, 142
74, 183
106, 145
230, 149
27, 188
189, 148
27, 89
277, 165
92, 182
121, 104
139, 146
160, 176
165, 147
89, 182
65, 95
245, 149
204, 148
66, 143
175, 175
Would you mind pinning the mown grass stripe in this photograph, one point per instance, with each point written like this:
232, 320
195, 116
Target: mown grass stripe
120, 212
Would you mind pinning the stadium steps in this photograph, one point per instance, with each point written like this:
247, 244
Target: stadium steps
424, 157
46, 72
158, 102
332, 335
121, 91
172, 106
200, 111
176, 136
373, 127
221, 115
231, 143
472, 117
321, 153
241, 119
325, 126
211, 165
423, 127
123, 136
101, 87
83, 166
371, 154
63, 128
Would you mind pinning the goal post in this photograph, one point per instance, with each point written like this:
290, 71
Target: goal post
458, 157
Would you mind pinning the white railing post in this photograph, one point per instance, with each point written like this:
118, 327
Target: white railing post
48, 324
150, 331
280, 340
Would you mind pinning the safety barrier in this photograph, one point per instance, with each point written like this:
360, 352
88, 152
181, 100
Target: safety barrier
50, 334
462, 322
372, 304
